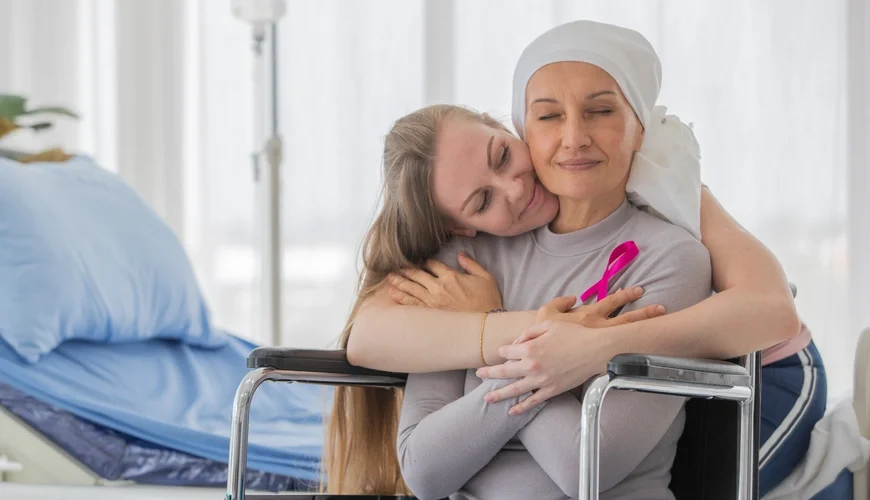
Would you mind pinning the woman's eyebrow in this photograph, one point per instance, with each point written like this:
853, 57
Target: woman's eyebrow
599, 94
589, 97
544, 99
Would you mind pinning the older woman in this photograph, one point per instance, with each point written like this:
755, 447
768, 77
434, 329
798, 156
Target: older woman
585, 132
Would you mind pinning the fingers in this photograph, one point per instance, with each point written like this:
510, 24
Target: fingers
533, 332
509, 391
515, 351
530, 402
614, 301
438, 268
559, 304
411, 288
648, 312
472, 267
504, 370
403, 298
419, 276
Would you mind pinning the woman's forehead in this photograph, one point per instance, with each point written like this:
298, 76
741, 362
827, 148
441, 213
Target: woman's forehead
460, 138
568, 75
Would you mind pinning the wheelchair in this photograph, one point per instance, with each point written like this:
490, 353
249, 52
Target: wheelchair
717, 455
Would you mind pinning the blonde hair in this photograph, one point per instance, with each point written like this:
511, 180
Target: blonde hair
359, 454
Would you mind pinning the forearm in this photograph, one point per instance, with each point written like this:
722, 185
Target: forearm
408, 339
726, 325
442, 449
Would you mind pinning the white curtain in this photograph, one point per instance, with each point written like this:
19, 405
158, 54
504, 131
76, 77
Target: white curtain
777, 92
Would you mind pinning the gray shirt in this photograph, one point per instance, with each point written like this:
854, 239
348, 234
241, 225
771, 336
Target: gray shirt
451, 442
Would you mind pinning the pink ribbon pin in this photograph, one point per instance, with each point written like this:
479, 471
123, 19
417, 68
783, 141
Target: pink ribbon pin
620, 258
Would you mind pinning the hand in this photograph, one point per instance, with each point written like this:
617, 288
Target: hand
552, 358
443, 287
565, 349
597, 315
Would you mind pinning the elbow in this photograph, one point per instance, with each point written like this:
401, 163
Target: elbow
425, 482
788, 323
570, 483
355, 351
425, 487
427, 478
360, 349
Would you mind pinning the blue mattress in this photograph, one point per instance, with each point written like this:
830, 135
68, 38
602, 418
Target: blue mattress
177, 397
116, 456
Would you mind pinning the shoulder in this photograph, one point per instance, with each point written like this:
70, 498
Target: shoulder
448, 253
666, 246
665, 239
673, 267
486, 249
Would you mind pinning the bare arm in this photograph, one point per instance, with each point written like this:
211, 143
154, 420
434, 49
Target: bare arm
753, 310
392, 337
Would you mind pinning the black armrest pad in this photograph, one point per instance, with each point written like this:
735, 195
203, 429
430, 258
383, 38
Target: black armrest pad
698, 371
311, 360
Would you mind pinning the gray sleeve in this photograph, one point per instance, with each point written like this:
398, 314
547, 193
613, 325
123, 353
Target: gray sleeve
449, 253
445, 437
632, 423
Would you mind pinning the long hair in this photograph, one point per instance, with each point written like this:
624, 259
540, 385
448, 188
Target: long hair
360, 449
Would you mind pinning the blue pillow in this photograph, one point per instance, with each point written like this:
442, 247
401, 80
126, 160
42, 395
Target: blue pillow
83, 257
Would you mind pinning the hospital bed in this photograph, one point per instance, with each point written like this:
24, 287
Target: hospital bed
53, 446
111, 371
59, 436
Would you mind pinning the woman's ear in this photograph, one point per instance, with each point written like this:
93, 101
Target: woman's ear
638, 143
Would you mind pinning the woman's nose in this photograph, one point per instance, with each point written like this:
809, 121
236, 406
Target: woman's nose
575, 135
513, 188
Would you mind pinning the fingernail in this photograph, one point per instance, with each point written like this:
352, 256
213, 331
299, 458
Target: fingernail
479, 373
660, 309
488, 399
638, 290
512, 412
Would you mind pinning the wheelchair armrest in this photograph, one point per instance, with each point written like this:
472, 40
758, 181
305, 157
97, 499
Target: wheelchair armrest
673, 369
320, 361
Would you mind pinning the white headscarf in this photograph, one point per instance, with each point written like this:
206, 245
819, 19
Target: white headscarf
665, 176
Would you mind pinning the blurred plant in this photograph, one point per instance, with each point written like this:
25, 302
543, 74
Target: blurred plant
12, 109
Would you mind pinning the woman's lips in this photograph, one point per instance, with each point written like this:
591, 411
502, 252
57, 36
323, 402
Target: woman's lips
579, 164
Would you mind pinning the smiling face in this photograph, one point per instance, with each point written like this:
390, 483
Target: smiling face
581, 131
483, 180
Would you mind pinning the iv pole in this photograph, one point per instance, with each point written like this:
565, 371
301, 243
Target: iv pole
263, 16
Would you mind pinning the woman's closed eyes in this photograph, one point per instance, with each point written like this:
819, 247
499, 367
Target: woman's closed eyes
503, 160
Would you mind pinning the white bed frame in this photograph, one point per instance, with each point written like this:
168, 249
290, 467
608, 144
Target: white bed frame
18, 491
47, 472
42, 461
